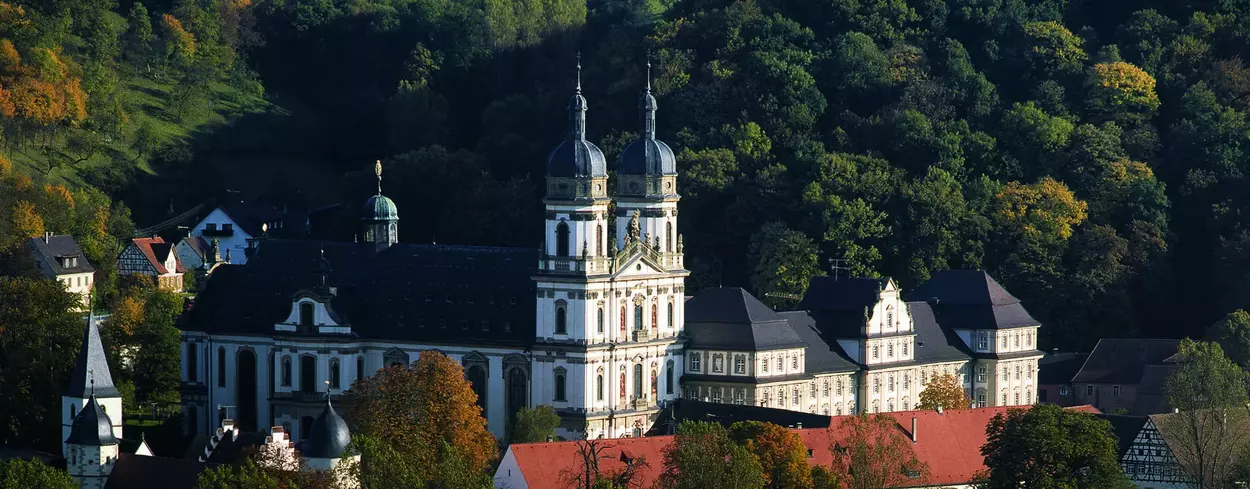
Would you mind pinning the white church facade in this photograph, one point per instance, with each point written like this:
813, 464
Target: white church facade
597, 323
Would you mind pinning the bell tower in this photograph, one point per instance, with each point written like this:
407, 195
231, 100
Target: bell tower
647, 184
380, 216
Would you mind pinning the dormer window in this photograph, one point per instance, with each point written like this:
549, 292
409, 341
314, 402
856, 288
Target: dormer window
227, 227
305, 314
210, 226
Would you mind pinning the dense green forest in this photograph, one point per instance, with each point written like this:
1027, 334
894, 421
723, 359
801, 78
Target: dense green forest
1090, 155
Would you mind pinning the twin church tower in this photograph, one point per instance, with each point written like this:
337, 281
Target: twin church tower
610, 311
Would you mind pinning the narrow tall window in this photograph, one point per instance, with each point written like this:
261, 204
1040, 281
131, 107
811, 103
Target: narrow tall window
360, 368
599, 240
638, 318
562, 239
305, 314
335, 380
668, 378
286, 371
671, 324
599, 386
560, 385
561, 321
193, 374
221, 367
655, 317
668, 236
638, 381
599, 320
622, 320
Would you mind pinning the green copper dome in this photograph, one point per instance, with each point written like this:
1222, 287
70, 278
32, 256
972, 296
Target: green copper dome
380, 208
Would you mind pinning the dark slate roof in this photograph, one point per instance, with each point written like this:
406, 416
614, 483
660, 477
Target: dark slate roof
407, 292
1123, 360
823, 354
47, 250
971, 299
1125, 429
730, 318
727, 414
329, 437
250, 215
202, 246
1151, 398
841, 294
91, 365
576, 158
933, 342
142, 472
1059, 368
92, 427
647, 156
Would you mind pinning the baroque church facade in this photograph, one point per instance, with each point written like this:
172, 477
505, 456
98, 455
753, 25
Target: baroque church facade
596, 323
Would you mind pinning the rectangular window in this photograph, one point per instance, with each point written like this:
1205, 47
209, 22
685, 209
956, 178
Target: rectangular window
221, 367
904, 350
780, 365
876, 352
739, 397
980, 399
794, 362
764, 365
1089, 390
983, 341
716, 398
740, 364
812, 390
1004, 346
212, 226
981, 373
1115, 390
696, 362
1063, 390
227, 227
796, 397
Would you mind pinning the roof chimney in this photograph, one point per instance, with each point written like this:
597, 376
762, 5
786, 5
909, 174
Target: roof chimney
939, 409
913, 429
47, 237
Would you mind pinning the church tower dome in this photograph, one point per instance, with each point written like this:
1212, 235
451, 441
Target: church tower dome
646, 186
575, 157
327, 448
380, 216
647, 156
91, 449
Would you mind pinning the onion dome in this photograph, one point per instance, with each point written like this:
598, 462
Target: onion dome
577, 157
92, 427
647, 155
379, 207
329, 437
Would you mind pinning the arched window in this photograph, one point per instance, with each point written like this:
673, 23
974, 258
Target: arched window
622, 383
668, 236
305, 314
599, 240
668, 378
360, 368
561, 321
670, 316
655, 317
308, 373
599, 384
599, 320
622, 320
638, 318
560, 373
335, 380
655, 385
286, 371
221, 367
477, 380
562, 239
637, 381
192, 362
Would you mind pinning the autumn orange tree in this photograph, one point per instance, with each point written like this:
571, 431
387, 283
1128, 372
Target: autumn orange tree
781, 453
875, 454
943, 391
419, 408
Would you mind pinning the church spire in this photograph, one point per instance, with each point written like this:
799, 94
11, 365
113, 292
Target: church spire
577, 107
91, 369
647, 104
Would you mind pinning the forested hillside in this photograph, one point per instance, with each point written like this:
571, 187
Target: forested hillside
1090, 155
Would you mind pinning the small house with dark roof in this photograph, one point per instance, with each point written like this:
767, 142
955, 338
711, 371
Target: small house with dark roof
154, 258
58, 257
236, 222
1054, 377
1126, 374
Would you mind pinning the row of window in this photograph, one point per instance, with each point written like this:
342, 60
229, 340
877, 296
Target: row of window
1028, 396
561, 378
308, 370
468, 299
562, 326
740, 363
876, 383
74, 281
564, 244
1005, 372
889, 351
983, 340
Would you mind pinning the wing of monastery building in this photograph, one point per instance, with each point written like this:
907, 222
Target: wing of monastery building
596, 323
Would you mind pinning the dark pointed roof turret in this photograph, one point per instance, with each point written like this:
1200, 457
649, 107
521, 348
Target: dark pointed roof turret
329, 436
647, 155
577, 157
92, 427
379, 207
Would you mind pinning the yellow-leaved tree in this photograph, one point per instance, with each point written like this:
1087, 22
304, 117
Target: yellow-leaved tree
1121, 91
1046, 209
944, 391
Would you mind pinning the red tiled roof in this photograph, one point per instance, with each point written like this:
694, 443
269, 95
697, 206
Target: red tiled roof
155, 249
950, 443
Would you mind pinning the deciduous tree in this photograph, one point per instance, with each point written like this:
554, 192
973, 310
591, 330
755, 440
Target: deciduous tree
702, 455
17, 473
416, 408
535, 425
875, 454
1233, 335
40, 336
781, 453
1211, 428
783, 260
1048, 446
943, 391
